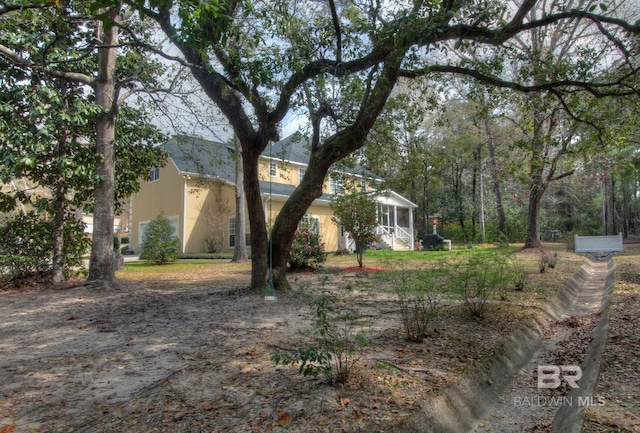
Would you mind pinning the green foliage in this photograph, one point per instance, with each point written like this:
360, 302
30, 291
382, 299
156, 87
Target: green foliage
337, 343
478, 277
419, 295
26, 246
206, 256
49, 109
306, 251
159, 244
357, 213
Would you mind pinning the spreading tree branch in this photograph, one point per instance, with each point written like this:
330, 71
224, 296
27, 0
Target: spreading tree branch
71, 76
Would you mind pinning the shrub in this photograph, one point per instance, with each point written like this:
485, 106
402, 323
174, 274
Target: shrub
419, 294
306, 250
478, 277
357, 213
159, 244
518, 270
337, 343
26, 246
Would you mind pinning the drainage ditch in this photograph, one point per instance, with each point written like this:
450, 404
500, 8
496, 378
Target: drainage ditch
506, 397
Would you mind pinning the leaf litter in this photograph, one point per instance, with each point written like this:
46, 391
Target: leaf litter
174, 355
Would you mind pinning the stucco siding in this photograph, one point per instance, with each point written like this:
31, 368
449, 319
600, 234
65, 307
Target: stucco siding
162, 195
208, 206
328, 229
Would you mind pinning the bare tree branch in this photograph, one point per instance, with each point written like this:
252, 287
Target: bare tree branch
336, 25
616, 88
18, 60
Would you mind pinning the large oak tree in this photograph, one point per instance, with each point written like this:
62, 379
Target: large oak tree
337, 63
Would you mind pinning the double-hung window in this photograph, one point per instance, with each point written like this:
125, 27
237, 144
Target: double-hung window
154, 174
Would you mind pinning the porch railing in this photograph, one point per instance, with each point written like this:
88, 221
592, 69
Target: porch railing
390, 236
405, 235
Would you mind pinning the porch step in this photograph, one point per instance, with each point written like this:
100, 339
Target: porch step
400, 245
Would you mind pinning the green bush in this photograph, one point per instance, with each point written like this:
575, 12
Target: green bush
306, 250
207, 256
337, 343
478, 277
357, 213
159, 244
26, 246
419, 295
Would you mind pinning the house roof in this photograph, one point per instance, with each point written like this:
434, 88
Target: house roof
281, 189
295, 148
196, 156
199, 157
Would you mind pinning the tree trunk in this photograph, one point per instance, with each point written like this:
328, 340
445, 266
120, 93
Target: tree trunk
240, 248
259, 244
533, 217
537, 185
333, 149
536, 191
614, 213
101, 262
59, 201
497, 187
475, 193
58, 233
292, 212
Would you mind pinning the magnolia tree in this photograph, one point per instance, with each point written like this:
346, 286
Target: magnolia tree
356, 212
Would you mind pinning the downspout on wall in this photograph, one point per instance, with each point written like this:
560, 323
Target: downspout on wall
184, 213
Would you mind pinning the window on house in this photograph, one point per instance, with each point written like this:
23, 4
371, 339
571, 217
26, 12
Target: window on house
336, 185
309, 223
363, 185
273, 169
154, 174
301, 172
232, 234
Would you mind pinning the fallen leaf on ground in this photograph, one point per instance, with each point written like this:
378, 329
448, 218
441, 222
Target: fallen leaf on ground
284, 419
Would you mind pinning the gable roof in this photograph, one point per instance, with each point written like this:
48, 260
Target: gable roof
285, 190
295, 148
198, 157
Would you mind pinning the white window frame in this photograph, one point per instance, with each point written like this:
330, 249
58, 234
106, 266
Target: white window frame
273, 169
336, 185
301, 173
232, 232
313, 223
154, 174
231, 224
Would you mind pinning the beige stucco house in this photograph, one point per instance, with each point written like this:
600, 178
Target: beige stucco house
196, 191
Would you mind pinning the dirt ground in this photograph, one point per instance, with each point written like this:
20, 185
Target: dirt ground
191, 353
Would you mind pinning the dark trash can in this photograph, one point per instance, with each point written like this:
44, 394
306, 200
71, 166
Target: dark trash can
432, 242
